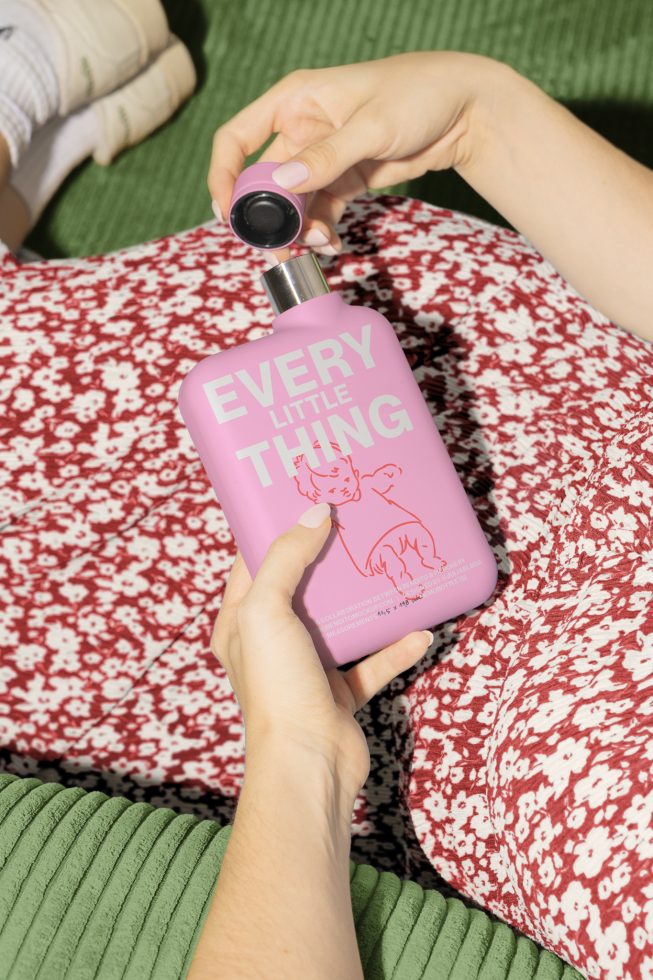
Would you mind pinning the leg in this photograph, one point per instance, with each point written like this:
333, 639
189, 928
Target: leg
44, 133
531, 772
14, 214
102, 129
5, 163
571, 786
14, 218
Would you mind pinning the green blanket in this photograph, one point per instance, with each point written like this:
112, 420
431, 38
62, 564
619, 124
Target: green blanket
93, 886
595, 55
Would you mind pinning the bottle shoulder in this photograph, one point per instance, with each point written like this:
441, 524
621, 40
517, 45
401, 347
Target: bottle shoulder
224, 360
325, 314
292, 338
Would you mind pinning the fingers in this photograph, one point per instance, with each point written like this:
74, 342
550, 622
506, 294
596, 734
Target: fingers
384, 173
277, 151
363, 136
372, 674
274, 256
238, 585
242, 135
287, 559
323, 209
319, 231
226, 162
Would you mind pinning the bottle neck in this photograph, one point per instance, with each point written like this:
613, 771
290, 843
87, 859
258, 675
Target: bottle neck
318, 311
294, 281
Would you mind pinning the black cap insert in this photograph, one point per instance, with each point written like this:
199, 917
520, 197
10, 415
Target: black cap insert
265, 219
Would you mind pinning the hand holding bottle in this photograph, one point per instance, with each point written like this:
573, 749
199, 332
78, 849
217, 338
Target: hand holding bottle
282, 688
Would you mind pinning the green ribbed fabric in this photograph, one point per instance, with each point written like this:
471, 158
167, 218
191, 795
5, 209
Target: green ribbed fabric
93, 886
595, 55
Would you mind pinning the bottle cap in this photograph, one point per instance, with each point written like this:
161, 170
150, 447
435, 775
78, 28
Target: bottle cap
294, 281
263, 214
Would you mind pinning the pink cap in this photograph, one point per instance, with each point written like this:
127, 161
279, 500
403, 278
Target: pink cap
263, 214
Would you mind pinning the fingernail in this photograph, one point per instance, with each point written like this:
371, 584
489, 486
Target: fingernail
314, 516
216, 210
327, 249
316, 237
290, 174
428, 634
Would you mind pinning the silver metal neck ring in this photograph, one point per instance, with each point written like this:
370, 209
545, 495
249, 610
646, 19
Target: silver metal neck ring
294, 281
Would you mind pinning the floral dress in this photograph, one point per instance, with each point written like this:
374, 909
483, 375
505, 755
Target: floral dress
515, 761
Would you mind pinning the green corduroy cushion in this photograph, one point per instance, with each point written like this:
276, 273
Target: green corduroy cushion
93, 886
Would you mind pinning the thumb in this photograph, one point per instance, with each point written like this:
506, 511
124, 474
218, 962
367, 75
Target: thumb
288, 557
361, 138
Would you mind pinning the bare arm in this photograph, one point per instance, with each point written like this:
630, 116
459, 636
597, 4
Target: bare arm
282, 909
282, 906
584, 204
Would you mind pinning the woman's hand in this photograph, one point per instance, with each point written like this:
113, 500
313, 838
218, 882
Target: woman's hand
282, 688
345, 129
582, 202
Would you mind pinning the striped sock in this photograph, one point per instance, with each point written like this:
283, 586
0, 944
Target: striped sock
29, 91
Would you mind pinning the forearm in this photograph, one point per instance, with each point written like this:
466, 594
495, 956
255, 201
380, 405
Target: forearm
282, 904
584, 204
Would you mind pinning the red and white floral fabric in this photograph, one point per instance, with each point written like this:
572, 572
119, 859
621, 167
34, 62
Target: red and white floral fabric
516, 758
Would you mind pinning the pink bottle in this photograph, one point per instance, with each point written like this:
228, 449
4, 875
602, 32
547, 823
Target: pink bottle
326, 408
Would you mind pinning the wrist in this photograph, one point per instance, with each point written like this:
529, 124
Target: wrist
283, 772
491, 91
337, 751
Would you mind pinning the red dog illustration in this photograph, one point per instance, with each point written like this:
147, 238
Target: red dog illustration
379, 535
